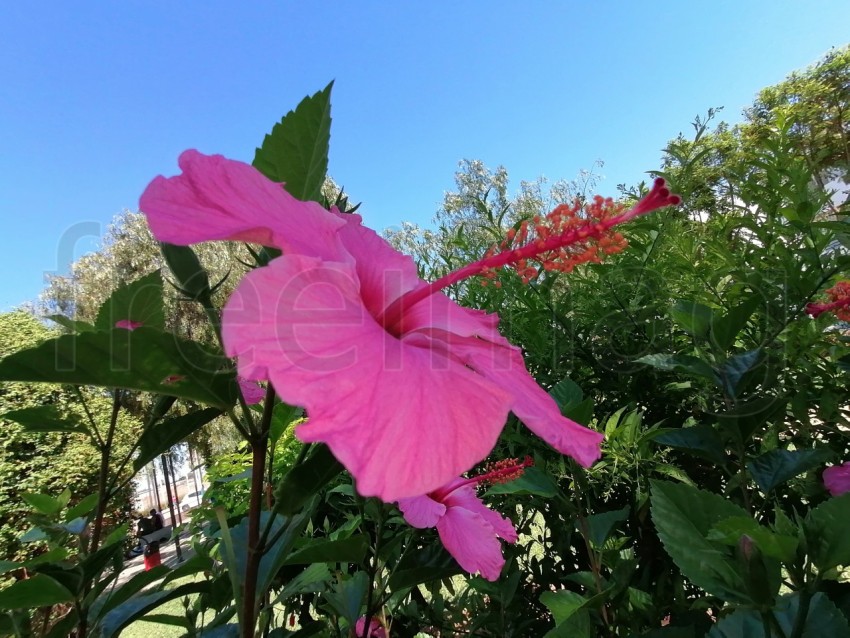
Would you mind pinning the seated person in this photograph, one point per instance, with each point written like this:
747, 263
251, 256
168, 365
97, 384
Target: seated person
158, 522
145, 526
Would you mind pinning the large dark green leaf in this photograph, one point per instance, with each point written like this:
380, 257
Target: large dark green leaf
743, 420
426, 564
296, 150
39, 591
683, 516
304, 480
44, 418
724, 328
679, 363
348, 595
283, 529
693, 317
826, 532
777, 466
601, 525
700, 439
139, 301
169, 432
136, 607
569, 610
735, 367
142, 359
346, 550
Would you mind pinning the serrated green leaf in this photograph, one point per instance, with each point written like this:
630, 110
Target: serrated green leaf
730, 530
296, 151
143, 359
347, 596
71, 324
84, 507
773, 468
139, 301
826, 534
683, 516
679, 363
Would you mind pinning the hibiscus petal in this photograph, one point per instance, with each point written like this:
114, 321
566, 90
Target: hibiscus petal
385, 274
466, 498
472, 542
836, 479
421, 511
402, 419
505, 367
217, 198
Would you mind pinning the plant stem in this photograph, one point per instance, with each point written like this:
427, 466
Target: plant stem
259, 448
103, 475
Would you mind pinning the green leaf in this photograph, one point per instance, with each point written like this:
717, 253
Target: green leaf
118, 595
347, 596
773, 468
700, 439
825, 529
683, 516
694, 318
533, 481
38, 591
679, 363
167, 433
139, 301
730, 530
192, 278
71, 324
725, 328
569, 611
312, 579
346, 550
296, 150
136, 607
143, 359
304, 480
601, 525
824, 618
734, 369
745, 419
282, 416
566, 392
428, 563
44, 418
84, 507
284, 529
43, 503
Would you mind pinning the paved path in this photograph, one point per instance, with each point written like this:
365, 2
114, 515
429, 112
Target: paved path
168, 553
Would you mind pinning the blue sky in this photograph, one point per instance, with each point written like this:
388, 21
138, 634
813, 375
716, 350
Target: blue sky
98, 98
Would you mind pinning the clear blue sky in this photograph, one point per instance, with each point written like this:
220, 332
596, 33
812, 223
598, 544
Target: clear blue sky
97, 98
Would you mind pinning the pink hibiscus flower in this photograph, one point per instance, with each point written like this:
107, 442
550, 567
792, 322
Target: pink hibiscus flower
252, 392
836, 479
127, 324
407, 388
375, 628
467, 528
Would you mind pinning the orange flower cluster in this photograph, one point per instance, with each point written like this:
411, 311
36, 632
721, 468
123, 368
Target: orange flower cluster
593, 239
839, 302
